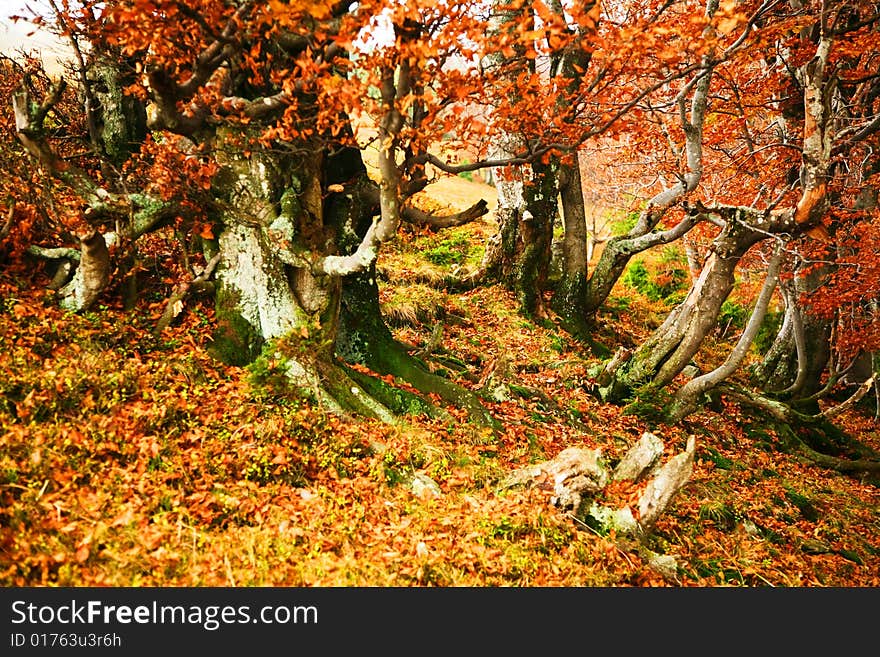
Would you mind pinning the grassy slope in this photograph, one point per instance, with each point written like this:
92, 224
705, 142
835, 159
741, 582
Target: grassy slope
129, 459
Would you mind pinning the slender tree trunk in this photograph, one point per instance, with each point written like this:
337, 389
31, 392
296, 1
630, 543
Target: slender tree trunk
688, 395
531, 264
795, 363
568, 299
779, 366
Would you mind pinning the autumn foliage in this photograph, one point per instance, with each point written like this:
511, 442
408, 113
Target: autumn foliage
247, 341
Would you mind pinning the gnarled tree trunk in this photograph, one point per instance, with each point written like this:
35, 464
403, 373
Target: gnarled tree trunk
269, 300
687, 397
672, 346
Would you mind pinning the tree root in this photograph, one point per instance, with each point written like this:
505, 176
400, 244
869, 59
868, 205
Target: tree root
387, 356
819, 427
365, 339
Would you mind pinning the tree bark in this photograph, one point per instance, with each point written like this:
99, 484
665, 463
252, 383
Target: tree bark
687, 396
793, 366
531, 262
364, 338
91, 276
672, 345
570, 292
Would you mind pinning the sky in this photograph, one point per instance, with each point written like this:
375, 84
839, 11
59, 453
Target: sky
17, 36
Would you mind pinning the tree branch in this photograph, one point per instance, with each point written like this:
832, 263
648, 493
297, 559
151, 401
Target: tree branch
850, 402
420, 218
175, 303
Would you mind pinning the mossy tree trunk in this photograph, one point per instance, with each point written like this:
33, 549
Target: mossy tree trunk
518, 255
364, 338
570, 293
672, 346
532, 252
120, 118
278, 217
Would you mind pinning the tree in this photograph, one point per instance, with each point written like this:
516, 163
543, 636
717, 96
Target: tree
275, 204
807, 66
601, 86
249, 159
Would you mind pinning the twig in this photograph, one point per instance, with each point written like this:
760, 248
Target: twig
849, 403
433, 342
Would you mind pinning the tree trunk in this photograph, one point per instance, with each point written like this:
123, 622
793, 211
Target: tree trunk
268, 300
570, 295
364, 338
120, 118
687, 397
672, 346
91, 276
793, 366
779, 368
518, 256
531, 263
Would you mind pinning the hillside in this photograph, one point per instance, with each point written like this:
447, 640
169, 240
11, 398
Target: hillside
134, 459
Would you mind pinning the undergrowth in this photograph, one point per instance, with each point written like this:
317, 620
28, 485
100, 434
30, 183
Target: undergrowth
130, 459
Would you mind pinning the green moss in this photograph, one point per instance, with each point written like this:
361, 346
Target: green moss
803, 504
453, 248
733, 315
235, 341
401, 402
767, 333
664, 281
647, 402
290, 204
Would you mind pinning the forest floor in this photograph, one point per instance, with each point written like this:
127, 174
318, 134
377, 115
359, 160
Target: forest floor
134, 459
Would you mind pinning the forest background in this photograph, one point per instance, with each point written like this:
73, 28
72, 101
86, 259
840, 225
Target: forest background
506, 293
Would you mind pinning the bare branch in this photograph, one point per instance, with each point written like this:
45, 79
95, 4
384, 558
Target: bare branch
420, 218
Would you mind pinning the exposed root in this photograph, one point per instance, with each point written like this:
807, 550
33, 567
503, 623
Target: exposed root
818, 425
